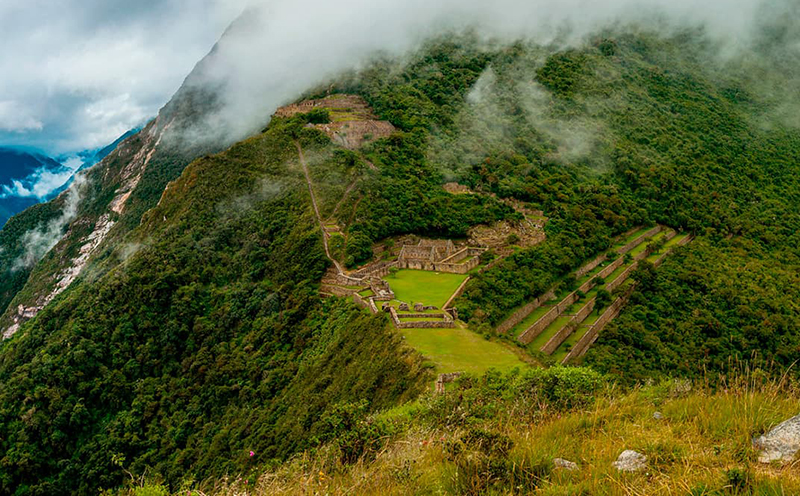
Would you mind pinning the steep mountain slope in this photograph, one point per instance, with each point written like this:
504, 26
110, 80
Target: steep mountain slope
99, 208
198, 335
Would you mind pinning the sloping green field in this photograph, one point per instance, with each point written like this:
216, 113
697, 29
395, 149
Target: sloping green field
461, 350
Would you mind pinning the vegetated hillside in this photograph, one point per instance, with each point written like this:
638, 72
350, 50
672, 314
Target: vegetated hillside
205, 339
636, 129
512, 434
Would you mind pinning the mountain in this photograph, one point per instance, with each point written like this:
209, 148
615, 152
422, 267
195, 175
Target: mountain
29, 177
16, 166
173, 312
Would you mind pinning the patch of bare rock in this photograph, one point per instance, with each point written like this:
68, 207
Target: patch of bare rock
630, 461
781, 443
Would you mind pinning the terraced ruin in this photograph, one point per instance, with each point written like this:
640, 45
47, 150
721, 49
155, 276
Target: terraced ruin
564, 324
416, 282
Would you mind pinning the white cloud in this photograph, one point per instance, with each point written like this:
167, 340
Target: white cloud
38, 185
13, 118
76, 74
282, 48
81, 72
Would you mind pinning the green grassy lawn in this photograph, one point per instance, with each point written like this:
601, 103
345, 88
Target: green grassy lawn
643, 246
420, 286
573, 338
633, 236
458, 349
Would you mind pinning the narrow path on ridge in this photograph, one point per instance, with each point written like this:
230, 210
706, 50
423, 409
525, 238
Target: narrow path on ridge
316, 209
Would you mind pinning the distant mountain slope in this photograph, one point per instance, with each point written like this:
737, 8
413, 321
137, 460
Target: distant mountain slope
17, 165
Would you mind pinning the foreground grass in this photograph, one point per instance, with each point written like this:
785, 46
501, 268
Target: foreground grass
701, 446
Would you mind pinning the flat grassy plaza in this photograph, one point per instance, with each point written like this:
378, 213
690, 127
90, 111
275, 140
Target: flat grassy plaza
420, 286
450, 350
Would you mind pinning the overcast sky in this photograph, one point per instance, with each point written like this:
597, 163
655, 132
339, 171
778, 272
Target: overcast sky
76, 74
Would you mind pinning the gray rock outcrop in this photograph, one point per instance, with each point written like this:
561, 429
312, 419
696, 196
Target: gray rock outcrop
565, 464
781, 443
630, 461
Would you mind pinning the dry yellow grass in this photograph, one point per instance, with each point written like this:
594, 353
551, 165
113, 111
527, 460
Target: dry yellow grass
701, 436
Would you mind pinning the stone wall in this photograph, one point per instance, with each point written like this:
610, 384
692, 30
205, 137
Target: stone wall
455, 295
446, 323
450, 268
590, 266
360, 302
587, 339
337, 290
607, 271
523, 312
379, 269
636, 242
568, 328
547, 319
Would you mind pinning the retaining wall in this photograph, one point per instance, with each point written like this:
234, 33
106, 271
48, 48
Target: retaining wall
359, 301
523, 312
568, 328
636, 242
590, 266
611, 268
337, 290
547, 319
591, 334
442, 324
455, 295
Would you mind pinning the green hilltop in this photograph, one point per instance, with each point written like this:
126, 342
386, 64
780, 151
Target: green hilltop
196, 345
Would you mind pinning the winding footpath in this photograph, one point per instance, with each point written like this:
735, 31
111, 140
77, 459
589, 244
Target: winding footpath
316, 209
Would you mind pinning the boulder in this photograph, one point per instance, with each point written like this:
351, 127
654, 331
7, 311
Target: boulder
630, 461
565, 464
403, 307
419, 307
781, 443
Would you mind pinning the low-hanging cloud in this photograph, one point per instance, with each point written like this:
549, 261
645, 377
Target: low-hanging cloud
39, 241
86, 71
279, 49
76, 74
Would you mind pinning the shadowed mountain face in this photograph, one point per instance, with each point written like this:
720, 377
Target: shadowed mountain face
18, 170
29, 177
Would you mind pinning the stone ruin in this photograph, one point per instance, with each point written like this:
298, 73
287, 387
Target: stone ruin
353, 123
439, 256
444, 379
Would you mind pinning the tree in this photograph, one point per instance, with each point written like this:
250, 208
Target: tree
602, 300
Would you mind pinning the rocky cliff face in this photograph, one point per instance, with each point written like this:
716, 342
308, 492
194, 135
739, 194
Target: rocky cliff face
90, 219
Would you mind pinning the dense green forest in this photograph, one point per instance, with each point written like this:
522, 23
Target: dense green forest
206, 339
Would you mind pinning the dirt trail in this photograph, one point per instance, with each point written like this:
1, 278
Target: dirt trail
316, 209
